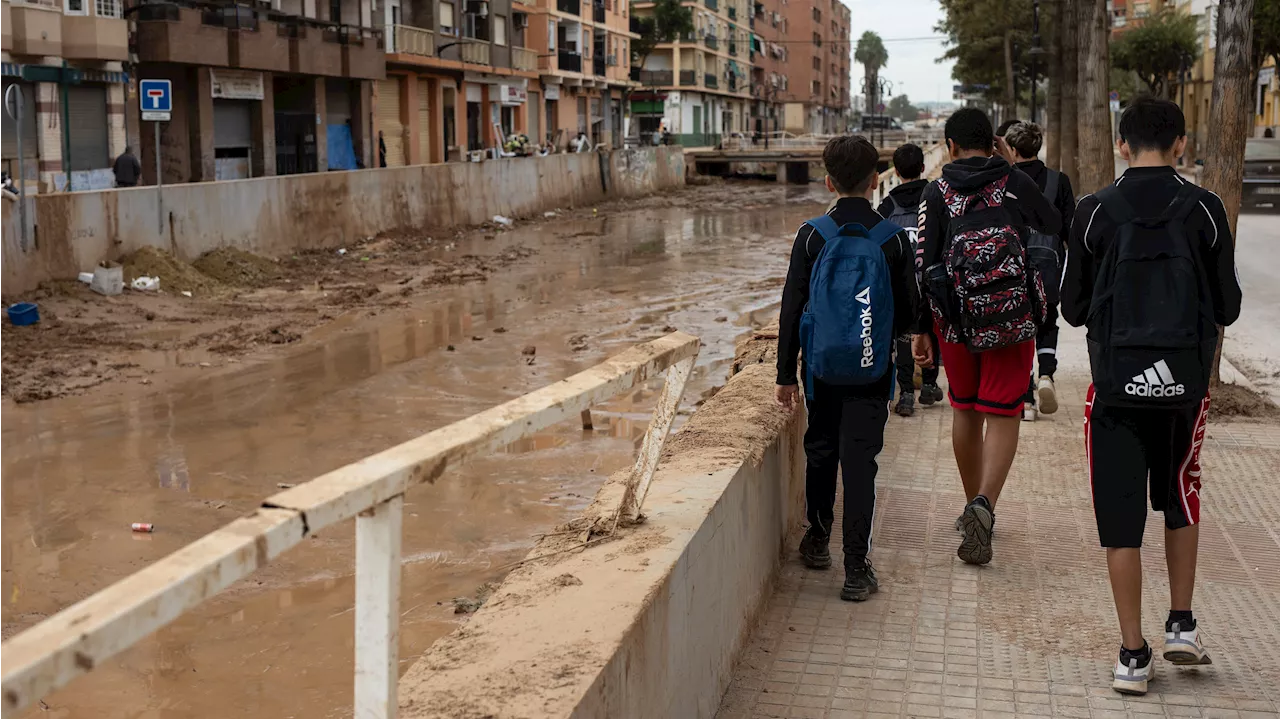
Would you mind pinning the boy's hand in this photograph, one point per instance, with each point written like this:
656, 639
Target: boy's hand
786, 395
922, 350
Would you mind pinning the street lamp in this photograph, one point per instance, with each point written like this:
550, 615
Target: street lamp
874, 94
1035, 53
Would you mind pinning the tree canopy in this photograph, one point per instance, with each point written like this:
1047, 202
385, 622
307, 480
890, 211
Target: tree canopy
901, 108
976, 43
1266, 32
871, 53
1158, 49
669, 20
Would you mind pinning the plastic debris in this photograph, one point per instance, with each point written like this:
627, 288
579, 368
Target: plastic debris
549, 213
342, 251
85, 277
285, 485
143, 527
504, 221
145, 284
108, 279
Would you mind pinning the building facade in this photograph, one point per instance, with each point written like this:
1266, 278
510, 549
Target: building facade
818, 39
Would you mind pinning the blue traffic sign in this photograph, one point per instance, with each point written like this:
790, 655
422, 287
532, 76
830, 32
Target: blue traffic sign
156, 95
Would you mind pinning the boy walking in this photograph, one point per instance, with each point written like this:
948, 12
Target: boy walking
1151, 270
986, 307
850, 289
901, 207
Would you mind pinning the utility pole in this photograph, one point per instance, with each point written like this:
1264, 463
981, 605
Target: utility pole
1036, 52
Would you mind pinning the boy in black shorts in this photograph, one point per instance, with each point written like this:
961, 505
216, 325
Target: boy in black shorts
1151, 268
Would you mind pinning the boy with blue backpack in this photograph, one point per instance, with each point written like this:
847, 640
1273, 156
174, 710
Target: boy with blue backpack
850, 290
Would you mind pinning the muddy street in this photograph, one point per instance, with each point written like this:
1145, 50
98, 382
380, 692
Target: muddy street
209, 434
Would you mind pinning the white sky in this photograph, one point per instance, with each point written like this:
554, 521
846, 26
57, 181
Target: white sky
911, 65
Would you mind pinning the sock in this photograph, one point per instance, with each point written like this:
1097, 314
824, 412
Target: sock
984, 501
1143, 655
1183, 618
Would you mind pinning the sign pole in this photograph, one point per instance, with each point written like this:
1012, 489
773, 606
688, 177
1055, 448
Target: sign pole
159, 185
14, 93
156, 97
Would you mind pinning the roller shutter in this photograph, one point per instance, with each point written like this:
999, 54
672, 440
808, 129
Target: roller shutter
389, 120
87, 115
231, 125
424, 122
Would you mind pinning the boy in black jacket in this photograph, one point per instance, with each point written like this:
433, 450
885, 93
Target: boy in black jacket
901, 207
1147, 430
846, 423
986, 388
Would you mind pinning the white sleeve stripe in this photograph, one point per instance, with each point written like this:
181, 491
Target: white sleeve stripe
1089, 226
1212, 222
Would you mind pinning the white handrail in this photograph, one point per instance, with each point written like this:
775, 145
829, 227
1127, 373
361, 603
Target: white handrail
81, 637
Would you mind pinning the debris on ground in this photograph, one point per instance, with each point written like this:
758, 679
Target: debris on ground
235, 267
567, 580
145, 284
578, 343
466, 605
143, 527
504, 221
1233, 400
177, 275
499, 330
285, 485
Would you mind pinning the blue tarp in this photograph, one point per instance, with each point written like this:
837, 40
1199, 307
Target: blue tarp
342, 154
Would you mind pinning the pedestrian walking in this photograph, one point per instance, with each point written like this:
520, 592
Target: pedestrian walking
849, 269
127, 169
986, 306
1151, 270
901, 207
1047, 253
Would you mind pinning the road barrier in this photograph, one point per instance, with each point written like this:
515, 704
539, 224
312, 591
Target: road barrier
81, 637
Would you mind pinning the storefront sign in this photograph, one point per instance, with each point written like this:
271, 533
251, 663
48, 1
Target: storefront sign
236, 84
552, 92
512, 95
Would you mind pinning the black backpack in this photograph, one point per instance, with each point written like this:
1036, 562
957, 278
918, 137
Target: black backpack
1042, 249
1151, 330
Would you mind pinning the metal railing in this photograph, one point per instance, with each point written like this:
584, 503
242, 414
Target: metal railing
524, 59
657, 78
572, 7
475, 52
688, 77
77, 639
712, 4
569, 61
712, 42
412, 40
711, 80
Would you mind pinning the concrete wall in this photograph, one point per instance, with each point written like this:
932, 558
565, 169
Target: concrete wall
651, 623
275, 215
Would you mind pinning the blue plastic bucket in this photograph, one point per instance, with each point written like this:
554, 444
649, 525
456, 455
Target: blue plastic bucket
24, 313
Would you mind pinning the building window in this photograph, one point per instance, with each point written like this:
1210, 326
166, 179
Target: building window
817, 63
817, 15
74, 7
448, 25
335, 10
108, 8
817, 39
500, 29
817, 87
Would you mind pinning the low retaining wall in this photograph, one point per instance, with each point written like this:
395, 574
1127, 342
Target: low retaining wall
274, 215
650, 623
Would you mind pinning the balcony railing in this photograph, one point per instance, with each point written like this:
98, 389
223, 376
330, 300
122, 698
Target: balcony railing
733, 12
656, 78
635, 73
733, 83
571, 7
569, 61
710, 80
597, 12
688, 78
475, 52
712, 42
597, 65
712, 4
733, 48
524, 59
412, 41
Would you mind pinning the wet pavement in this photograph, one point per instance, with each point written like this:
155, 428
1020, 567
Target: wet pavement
78, 470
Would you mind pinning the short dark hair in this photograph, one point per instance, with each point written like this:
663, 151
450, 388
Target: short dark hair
1004, 127
970, 129
1150, 123
908, 160
850, 161
1026, 138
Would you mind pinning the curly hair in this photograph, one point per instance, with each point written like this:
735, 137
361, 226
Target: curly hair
1026, 138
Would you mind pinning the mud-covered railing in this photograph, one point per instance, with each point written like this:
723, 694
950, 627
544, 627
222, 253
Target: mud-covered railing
81, 637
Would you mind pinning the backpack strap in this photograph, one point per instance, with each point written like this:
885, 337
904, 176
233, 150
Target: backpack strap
824, 226
1051, 185
883, 232
1117, 208
1183, 203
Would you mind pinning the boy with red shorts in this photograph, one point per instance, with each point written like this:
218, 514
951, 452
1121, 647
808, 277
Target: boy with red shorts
986, 387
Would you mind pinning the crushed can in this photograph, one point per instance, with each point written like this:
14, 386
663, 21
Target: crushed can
144, 527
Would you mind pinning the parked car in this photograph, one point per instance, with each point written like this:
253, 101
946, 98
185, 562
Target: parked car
1261, 173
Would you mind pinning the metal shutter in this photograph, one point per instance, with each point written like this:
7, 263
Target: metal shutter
10, 129
389, 120
231, 125
424, 122
87, 127
533, 113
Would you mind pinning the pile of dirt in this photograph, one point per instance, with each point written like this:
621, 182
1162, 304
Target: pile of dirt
238, 268
1231, 400
175, 275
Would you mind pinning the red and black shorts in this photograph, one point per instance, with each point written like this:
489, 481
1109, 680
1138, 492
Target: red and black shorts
994, 381
1135, 451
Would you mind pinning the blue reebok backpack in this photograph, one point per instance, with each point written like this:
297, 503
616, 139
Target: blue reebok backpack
847, 326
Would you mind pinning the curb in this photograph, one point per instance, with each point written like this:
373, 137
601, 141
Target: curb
1229, 374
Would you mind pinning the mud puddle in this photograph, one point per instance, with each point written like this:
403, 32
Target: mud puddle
191, 455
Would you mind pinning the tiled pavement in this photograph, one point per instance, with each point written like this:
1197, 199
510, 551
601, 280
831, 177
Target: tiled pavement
1033, 633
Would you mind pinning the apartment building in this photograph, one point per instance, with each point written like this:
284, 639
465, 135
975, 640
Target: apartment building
817, 37
267, 89
700, 85
63, 58
1128, 14
770, 84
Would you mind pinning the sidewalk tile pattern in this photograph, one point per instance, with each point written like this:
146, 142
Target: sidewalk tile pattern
1033, 634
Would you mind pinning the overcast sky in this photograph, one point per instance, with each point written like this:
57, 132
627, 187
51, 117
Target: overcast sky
911, 64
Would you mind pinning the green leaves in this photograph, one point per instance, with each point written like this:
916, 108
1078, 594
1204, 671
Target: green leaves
1157, 49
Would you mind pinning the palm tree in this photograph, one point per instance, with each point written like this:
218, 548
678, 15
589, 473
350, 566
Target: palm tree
871, 53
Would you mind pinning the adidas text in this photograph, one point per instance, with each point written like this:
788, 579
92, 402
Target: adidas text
868, 352
1155, 381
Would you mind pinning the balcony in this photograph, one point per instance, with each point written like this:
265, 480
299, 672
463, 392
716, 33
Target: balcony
712, 42
733, 83
409, 40
733, 12
635, 75
597, 12
710, 80
310, 52
688, 78
94, 37
252, 40
597, 66
524, 59
569, 7
475, 52
36, 29
168, 33
569, 61
363, 53
656, 78
733, 48
712, 4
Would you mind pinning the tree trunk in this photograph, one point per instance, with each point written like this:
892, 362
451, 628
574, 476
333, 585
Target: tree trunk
1010, 100
1096, 158
1230, 116
1069, 132
1053, 118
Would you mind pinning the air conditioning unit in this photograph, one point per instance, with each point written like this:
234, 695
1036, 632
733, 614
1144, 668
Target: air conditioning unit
478, 7
612, 61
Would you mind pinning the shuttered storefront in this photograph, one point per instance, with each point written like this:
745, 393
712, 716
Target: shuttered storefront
388, 120
424, 122
10, 131
87, 126
232, 138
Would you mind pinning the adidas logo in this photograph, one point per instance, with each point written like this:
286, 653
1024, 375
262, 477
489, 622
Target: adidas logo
1155, 381
868, 352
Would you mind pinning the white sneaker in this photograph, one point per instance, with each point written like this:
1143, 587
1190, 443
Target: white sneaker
1048, 395
1131, 678
1182, 647
1029, 413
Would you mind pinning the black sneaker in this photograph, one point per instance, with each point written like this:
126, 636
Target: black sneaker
813, 549
859, 583
906, 405
976, 523
929, 394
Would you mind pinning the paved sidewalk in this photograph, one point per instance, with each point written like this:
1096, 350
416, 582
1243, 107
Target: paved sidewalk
1034, 632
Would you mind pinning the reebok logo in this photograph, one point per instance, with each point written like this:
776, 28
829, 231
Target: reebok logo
1155, 381
868, 352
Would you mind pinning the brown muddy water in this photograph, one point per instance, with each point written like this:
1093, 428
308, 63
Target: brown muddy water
192, 457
